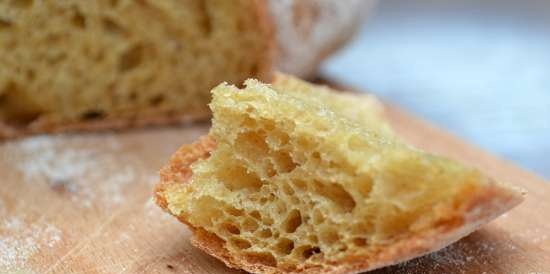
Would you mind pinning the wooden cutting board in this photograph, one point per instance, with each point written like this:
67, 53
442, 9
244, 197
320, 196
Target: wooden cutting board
82, 204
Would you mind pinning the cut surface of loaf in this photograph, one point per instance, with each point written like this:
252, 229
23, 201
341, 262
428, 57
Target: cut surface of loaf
74, 64
291, 179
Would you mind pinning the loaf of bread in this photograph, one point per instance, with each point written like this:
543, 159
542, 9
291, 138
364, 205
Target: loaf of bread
112, 63
72, 64
291, 181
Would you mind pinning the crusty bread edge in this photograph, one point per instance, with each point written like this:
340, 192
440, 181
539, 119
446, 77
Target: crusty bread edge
265, 72
493, 201
489, 204
119, 123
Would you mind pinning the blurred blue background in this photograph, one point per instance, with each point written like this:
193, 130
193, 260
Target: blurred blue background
480, 69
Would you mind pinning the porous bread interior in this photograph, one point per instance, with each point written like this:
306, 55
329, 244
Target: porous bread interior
72, 60
295, 184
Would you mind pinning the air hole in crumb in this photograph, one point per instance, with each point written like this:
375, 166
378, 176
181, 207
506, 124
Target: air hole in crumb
231, 228
267, 221
233, 211
254, 69
284, 161
277, 137
268, 125
265, 233
253, 140
364, 184
310, 252
247, 121
205, 19
240, 243
250, 225
132, 96
316, 155
313, 238
359, 241
256, 215
337, 194
78, 20
112, 27
285, 246
156, 100
280, 207
171, 267
22, 3
270, 170
293, 221
142, 2
318, 217
131, 59
211, 210
5, 24
17, 107
300, 184
31, 74
261, 258
333, 165
92, 115
330, 236
237, 177
288, 190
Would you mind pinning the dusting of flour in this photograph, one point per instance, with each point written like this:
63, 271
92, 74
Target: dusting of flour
91, 175
459, 258
20, 240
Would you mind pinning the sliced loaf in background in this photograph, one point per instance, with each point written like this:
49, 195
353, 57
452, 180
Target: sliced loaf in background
114, 63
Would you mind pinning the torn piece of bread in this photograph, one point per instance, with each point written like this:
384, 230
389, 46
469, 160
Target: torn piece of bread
91, 64
290, 181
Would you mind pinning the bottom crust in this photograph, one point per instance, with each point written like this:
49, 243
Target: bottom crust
10, 132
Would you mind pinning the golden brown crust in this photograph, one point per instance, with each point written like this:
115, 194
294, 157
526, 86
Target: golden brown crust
485, 205
10, 132
178, 171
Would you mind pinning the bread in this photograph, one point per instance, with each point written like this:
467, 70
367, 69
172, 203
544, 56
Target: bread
308, 31
290, 182
73, 65
113, 63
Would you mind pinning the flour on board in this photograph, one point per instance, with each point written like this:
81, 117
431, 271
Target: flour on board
20, 240
89, 174
458, 257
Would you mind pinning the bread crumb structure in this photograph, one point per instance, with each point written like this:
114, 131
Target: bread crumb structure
294, 178
119, 62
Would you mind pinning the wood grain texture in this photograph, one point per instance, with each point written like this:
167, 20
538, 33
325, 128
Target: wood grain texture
82, 204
